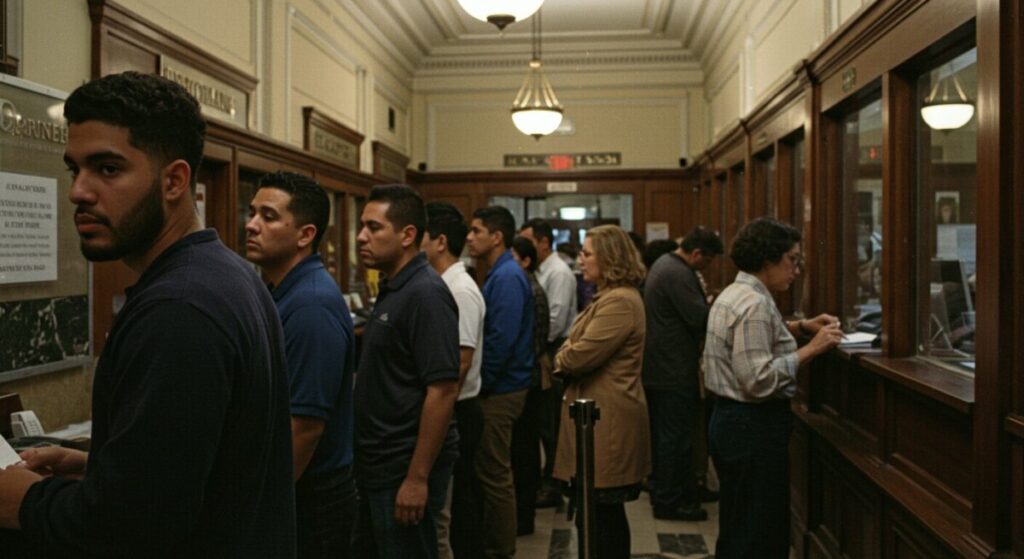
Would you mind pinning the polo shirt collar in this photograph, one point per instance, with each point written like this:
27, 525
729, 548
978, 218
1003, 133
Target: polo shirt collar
306, 266
402, 277
501, 261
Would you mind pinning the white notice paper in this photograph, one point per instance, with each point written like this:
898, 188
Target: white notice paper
7, 454
28, 228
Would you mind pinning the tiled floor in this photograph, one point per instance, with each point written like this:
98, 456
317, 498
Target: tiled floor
555, 537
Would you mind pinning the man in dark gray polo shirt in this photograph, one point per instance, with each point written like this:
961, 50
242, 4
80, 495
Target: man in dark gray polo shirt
407, 382
677, 315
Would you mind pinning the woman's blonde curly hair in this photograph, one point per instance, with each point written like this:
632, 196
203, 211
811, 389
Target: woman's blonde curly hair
620, 261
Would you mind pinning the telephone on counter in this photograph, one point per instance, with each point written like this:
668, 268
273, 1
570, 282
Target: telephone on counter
26, 424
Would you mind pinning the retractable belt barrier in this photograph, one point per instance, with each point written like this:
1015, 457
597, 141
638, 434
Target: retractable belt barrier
585, 413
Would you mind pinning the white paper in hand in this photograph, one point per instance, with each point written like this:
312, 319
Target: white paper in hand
7, 454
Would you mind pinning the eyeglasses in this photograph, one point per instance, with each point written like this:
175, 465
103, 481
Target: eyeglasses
797, 259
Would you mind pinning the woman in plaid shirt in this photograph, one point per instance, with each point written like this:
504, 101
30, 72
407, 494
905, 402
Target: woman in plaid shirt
750, 362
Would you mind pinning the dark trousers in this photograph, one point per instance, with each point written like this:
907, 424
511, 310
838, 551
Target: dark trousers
465, 530
612, 528
526, 459
379, 534
675, 420
551, 415
750, 447
325, 514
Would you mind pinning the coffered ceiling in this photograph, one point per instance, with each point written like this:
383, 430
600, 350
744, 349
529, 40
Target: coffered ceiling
434, 33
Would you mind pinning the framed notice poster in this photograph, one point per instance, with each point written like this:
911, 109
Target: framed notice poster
44, 280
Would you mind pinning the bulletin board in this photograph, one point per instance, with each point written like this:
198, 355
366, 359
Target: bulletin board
44, 279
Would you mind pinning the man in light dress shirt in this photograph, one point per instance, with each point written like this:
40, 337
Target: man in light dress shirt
559, 284
458, 526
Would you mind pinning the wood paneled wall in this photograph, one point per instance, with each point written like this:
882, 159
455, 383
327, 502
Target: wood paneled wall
658, 195
893, 455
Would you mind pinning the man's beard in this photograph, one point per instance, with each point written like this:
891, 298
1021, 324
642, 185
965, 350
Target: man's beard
137, 230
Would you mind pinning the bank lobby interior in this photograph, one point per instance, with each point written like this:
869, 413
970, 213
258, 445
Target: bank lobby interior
890, 132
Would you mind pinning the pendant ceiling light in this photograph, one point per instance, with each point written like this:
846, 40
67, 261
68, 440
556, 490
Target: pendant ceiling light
536, 111
501, 12
945, 112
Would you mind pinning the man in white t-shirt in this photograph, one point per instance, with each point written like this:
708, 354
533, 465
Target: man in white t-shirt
459, 525
559, 284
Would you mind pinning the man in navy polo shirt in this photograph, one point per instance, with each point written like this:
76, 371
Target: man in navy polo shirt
406, 385
287, 219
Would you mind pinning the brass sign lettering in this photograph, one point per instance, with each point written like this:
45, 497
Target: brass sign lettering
13, 123
334, 147
849, 79
217, 99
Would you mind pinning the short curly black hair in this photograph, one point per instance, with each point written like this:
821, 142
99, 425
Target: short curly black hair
163, 119
763, 240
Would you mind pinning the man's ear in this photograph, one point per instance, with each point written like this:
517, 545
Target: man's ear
408, 236
442, 243
500, 238
307, 234
176, 180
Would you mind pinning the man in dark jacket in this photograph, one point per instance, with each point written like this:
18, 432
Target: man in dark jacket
677, 315
191, 449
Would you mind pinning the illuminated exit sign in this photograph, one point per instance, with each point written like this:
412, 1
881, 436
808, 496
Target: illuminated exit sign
564, 161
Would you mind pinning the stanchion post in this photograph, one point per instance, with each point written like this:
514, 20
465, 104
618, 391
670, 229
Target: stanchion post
585, 413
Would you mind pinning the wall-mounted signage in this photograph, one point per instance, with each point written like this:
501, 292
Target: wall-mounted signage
849, 80
562, 187
330, 139
333, 147
564, 161
218, 99
44, 279
28, 228
389, 163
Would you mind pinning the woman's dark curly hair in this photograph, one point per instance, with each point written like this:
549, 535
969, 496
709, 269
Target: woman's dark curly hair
763, 240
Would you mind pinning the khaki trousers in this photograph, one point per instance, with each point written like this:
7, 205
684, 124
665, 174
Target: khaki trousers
494, 471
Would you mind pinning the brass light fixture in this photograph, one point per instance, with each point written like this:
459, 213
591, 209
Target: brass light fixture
500, 12
946, 112
536, 111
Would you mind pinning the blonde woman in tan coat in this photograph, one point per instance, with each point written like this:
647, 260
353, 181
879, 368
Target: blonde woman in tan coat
601, 360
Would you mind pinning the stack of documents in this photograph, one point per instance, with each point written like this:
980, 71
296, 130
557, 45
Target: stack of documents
8, 456
857, 339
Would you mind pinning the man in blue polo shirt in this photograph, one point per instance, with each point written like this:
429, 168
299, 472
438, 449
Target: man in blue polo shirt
506, 372
287, 219
406, 385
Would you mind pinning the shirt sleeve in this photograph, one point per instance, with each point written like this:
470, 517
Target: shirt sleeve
506, 304
434, 337
760, 373
143, 490
316, 347
561, 292
471, 313
612, 324
688, 301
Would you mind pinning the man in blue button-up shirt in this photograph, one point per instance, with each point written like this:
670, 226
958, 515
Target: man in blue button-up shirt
506, 371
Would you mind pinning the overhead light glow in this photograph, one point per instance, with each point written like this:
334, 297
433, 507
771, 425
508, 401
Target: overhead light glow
501, 12
572, 213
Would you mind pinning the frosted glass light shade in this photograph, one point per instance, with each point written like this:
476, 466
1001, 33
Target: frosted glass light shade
501, 12
947, 116
537, 122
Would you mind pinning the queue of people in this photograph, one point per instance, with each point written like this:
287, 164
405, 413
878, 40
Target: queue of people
232, 418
